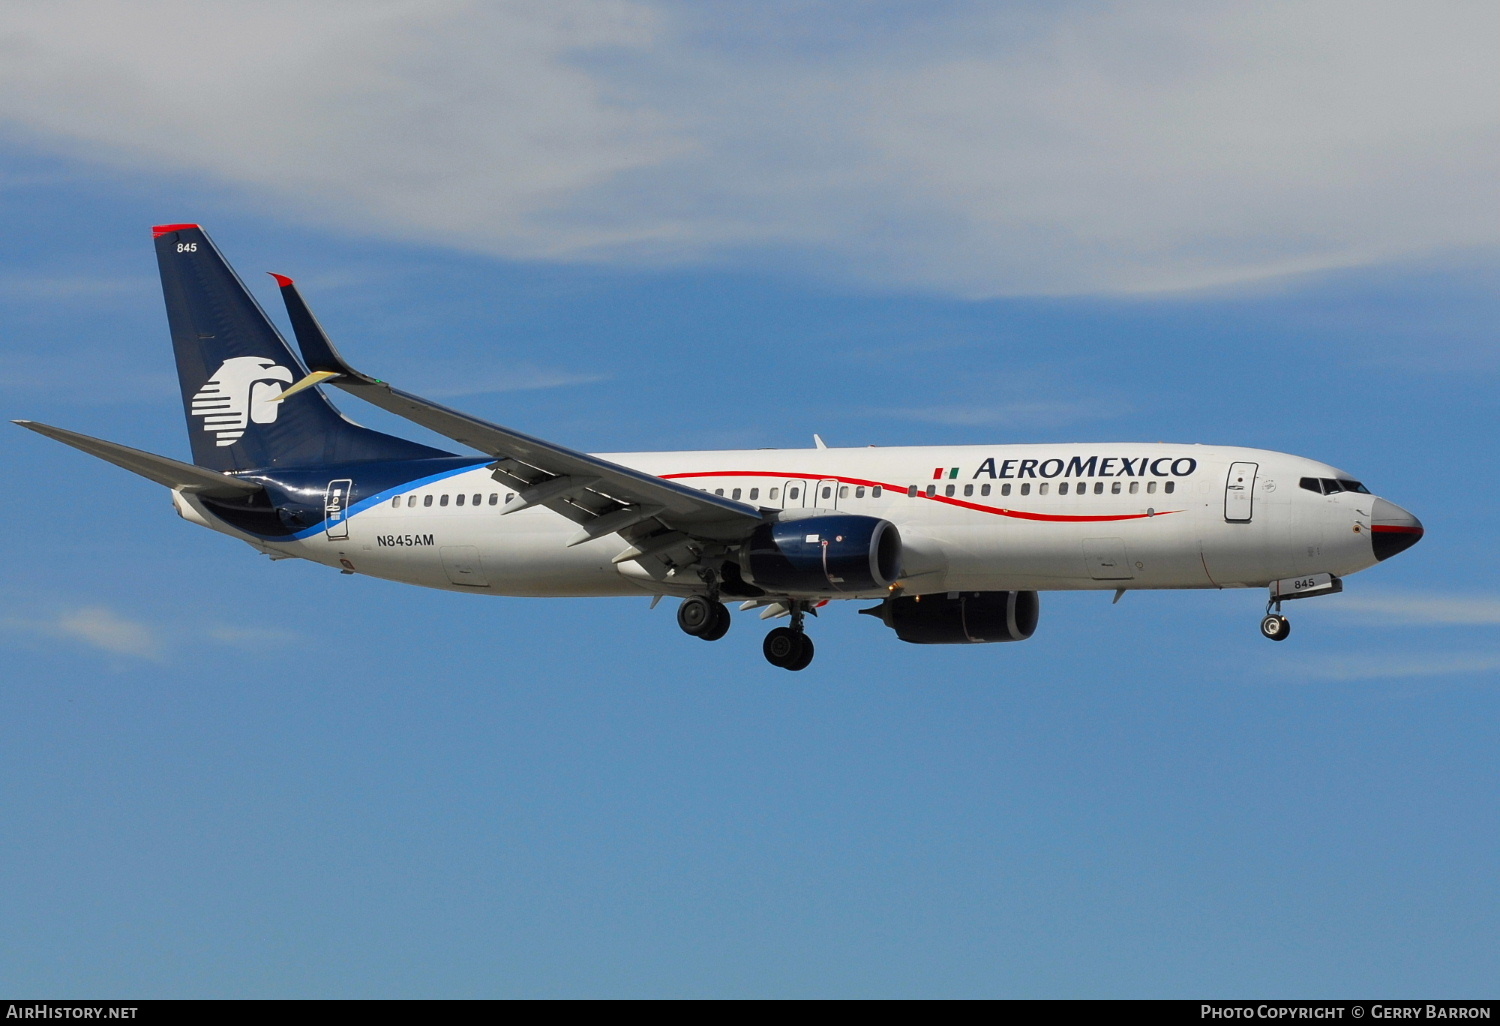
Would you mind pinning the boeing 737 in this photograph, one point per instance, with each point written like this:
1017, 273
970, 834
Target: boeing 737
952, 544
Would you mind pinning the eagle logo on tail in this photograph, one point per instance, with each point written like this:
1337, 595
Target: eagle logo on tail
243, 390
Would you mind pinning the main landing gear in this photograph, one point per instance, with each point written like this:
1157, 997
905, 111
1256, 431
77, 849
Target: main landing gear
789, 647
703, 618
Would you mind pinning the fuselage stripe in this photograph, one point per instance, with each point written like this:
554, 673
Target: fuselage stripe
921, 494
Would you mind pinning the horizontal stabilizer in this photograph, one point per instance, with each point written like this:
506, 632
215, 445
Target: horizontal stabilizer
161, 469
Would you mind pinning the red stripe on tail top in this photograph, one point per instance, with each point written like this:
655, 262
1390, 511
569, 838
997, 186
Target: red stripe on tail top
158, 230
281, 279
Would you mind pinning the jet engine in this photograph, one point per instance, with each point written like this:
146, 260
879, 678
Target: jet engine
962, 618
819, 555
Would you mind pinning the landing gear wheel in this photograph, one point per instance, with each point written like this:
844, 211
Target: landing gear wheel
806, 657
1276, 627
696, 615
783, 647
721, 623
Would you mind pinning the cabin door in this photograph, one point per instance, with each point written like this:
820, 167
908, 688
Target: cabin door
336, 508
1239, 492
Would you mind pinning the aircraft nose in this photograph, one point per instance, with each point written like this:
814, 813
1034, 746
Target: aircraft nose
1392, 529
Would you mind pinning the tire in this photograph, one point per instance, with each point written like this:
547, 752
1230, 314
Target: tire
1276, 627
782, 647
696, 615
721, 623
806, 656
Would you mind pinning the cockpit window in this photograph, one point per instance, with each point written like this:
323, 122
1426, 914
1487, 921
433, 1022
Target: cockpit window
1330, 486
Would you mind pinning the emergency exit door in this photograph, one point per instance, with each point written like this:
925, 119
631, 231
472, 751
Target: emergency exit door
1239, 492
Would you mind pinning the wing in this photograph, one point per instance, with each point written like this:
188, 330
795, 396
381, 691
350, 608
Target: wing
604, 498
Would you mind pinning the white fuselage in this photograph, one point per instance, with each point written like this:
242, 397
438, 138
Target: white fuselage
984, 518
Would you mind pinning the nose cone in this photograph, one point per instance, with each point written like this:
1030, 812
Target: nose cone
1392, 529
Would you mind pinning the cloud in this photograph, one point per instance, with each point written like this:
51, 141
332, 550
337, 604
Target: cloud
70, 288
108, 631
1374, 667
522, 378
980, 150
98, 627
253, 638
1470, 610
1038, 415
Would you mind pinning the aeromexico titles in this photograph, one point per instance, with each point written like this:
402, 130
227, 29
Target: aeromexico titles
951, 544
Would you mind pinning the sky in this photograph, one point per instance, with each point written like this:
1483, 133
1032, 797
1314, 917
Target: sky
629, 226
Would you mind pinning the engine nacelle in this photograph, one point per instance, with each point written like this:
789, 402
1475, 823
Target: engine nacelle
820, 555
970, 618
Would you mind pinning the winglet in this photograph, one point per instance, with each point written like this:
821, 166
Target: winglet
818, 441
317, 351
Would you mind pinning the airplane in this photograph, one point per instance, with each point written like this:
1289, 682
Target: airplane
951, 543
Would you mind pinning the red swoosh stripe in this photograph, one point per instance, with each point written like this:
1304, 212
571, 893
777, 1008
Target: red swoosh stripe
1014, 514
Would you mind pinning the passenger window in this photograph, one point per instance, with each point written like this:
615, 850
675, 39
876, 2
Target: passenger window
931, 490
494, 498
1114, 488
1041, 489
1005, 489
948, 490
735, 494
478, 499
1062, 489
718, 491
875, 492
1026, 489
411, 500
755, 493
458, 500
1135, 486
1170, 487
844, 492
792, 493
443, 499
968, 490
427, 500
773, 493
859, 493
396, 502
984, 489
509, 496
1098, 487
911, 491
827, 491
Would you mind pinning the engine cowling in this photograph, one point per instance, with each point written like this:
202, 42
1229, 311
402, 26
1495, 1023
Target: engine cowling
820, 555
969, 618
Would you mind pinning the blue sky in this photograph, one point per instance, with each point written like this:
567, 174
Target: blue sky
661, 226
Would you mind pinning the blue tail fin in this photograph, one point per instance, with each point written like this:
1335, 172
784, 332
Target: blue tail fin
232, 363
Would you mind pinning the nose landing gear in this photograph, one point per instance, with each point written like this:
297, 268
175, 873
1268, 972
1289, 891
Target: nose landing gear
1276, 627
